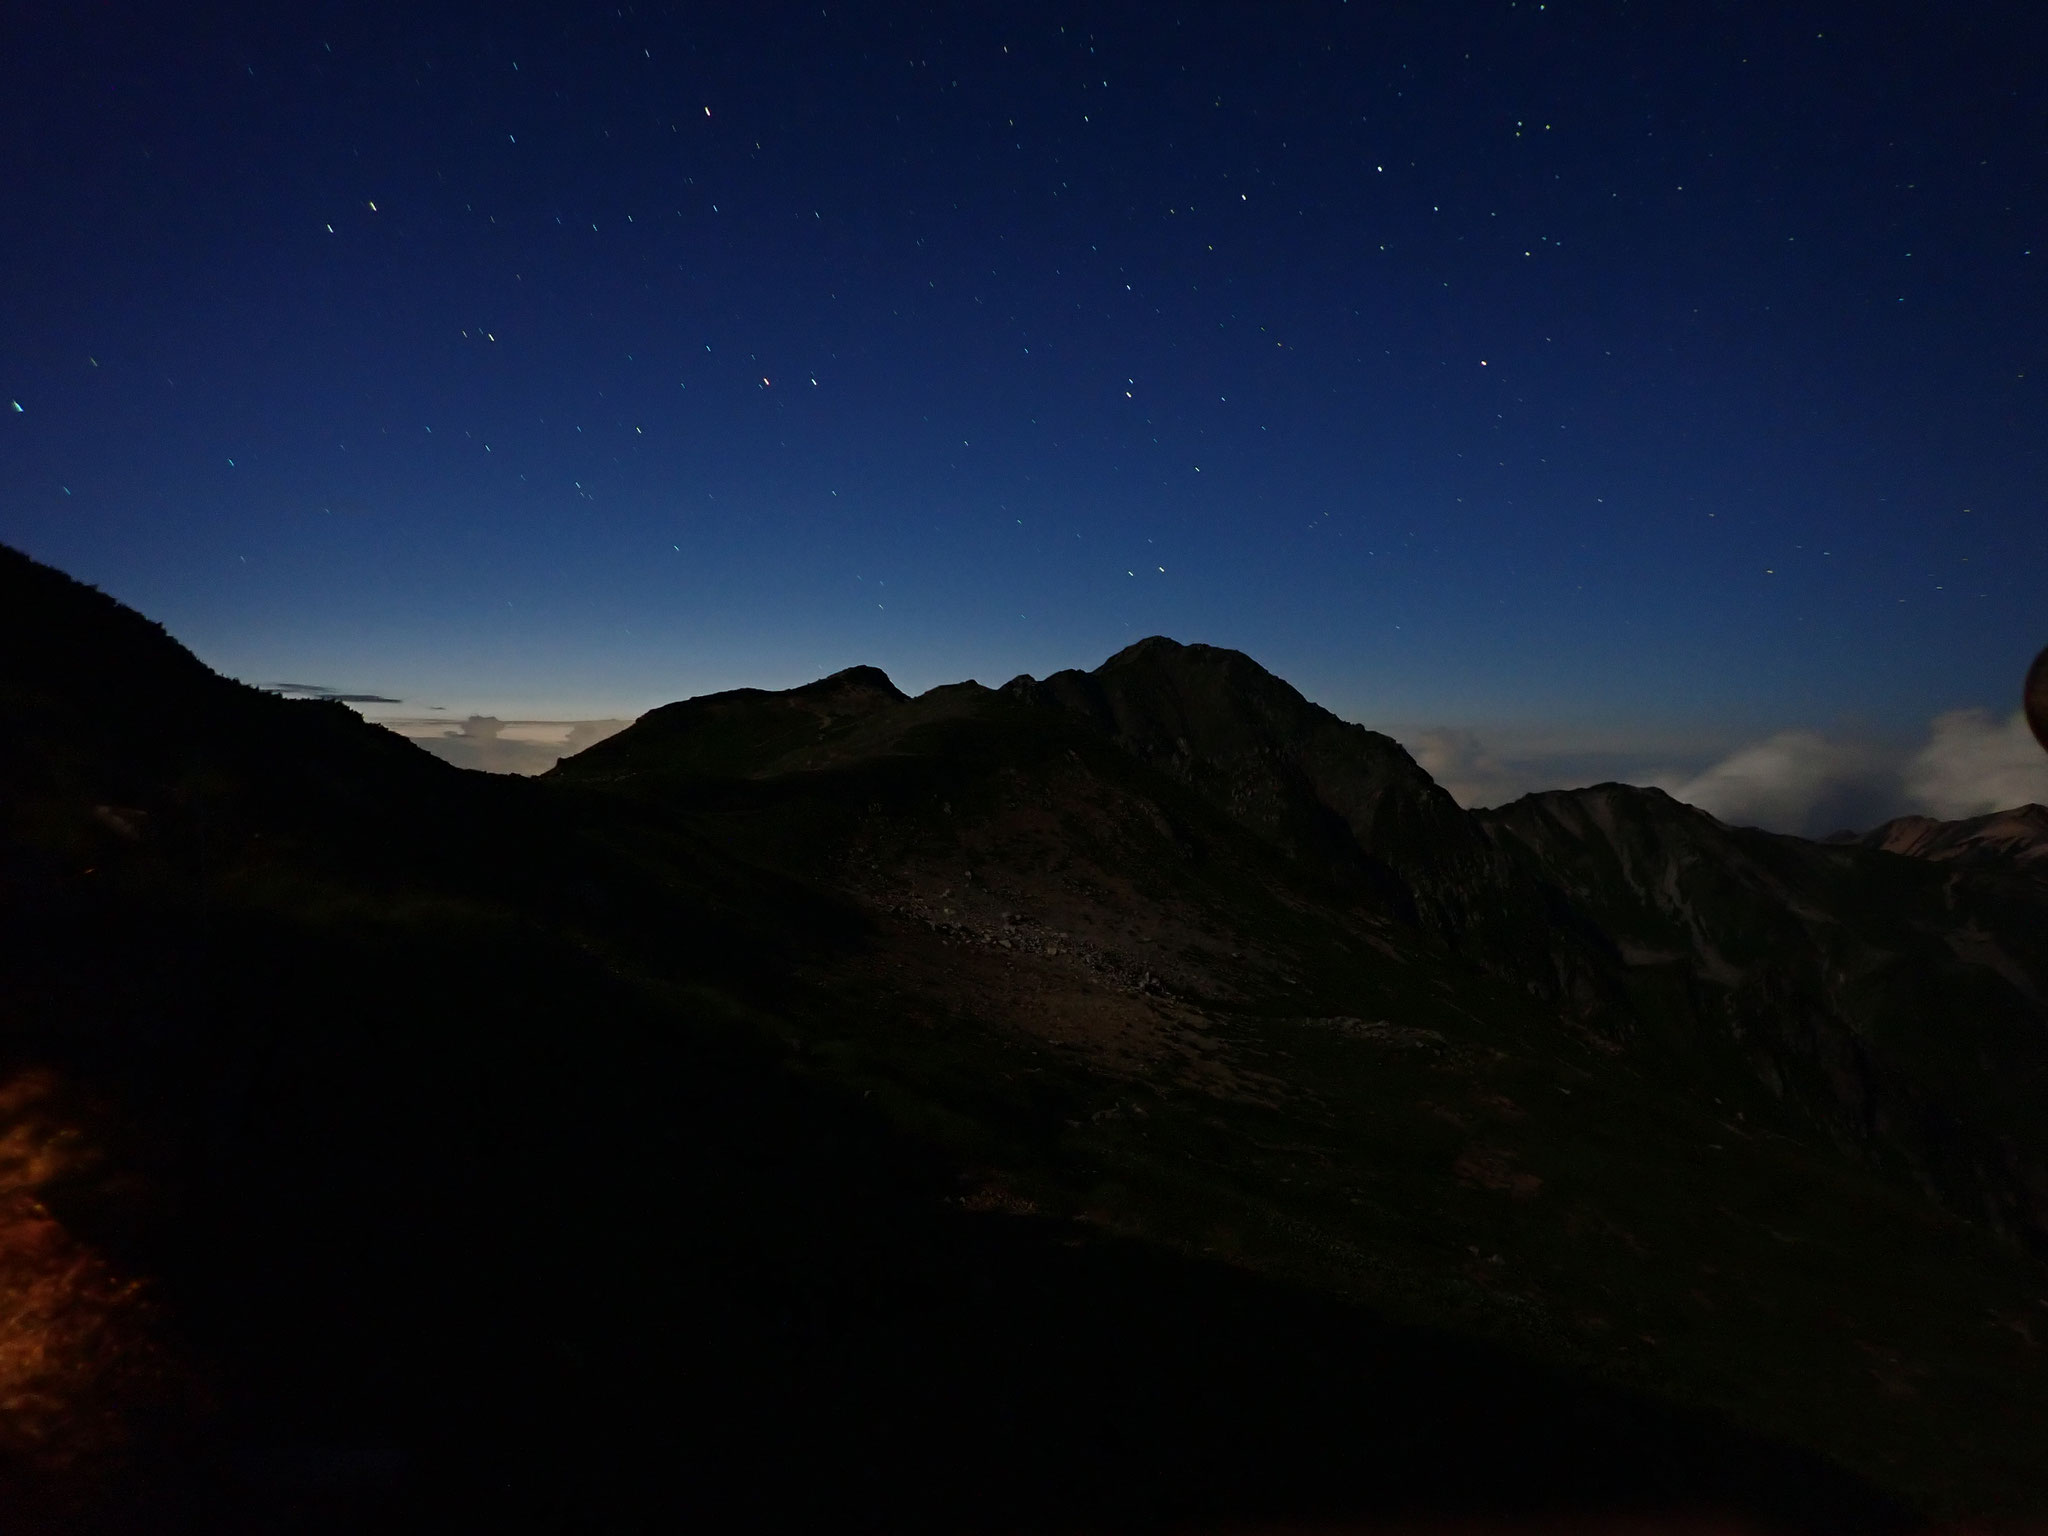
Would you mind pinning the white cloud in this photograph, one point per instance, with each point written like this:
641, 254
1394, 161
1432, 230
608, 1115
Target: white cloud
1494, 768
506, 746
1462, 764
1795, 781
1974, 763
1811, 783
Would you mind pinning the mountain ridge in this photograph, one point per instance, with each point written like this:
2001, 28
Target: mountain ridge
1621, 907
2018, 835
877, 1029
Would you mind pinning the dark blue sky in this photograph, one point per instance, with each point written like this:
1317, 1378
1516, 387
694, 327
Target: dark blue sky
1645, 377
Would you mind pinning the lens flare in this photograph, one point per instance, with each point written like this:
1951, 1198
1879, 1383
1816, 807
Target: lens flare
2037, 698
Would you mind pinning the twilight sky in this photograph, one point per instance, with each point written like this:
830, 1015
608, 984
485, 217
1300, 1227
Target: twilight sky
1575, 389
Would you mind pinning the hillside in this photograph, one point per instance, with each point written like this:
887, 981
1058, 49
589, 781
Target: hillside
1130, 1098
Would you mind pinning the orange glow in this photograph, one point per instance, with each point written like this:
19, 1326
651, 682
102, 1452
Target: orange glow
72, 1333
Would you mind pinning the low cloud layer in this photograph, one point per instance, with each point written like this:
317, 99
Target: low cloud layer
506, 746
1463, 764
1798, 781
1974, 763
1971, 763
1492, 771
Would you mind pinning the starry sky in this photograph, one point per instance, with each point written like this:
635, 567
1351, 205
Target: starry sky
1573, 389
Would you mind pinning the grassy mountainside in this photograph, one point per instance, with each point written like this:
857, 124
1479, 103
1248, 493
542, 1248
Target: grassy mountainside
1135, 1098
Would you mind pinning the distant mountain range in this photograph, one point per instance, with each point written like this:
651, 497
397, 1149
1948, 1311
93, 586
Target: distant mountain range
2015, 837
1126, 1099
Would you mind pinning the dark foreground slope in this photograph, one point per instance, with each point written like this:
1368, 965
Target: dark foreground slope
834, 1109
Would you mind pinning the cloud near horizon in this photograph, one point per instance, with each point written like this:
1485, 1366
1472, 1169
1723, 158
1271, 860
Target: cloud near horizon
332, 695
1974, 763
1465, 766
1797, 781
505, 746
1804, 782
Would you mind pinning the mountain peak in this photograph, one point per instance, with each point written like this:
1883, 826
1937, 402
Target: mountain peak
740, 733
854, 681
1151, 647
1161, 652
2019, 835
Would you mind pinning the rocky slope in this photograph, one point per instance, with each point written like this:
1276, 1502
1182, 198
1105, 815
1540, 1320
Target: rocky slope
1896, 1004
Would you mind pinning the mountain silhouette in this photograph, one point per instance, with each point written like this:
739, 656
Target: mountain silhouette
1129, 1100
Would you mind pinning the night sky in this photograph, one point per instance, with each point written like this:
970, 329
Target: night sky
1573, 390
